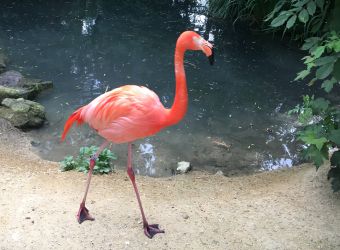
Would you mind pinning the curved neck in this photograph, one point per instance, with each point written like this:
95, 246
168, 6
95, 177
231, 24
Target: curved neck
179, 107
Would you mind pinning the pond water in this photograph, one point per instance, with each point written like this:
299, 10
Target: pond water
236, 120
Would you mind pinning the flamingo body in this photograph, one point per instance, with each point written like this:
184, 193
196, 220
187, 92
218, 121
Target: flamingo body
124, 114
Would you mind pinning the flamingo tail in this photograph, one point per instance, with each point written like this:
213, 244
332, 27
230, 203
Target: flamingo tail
75, 117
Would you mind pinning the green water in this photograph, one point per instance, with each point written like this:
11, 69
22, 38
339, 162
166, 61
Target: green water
87, 47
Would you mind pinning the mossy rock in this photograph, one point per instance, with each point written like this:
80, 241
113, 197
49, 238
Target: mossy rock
10, 92
11, 78
36, 85
14, 85
22, 113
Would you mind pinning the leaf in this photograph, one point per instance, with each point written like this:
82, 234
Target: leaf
327, 85
334, 44
291, 21
320, 3
324, 71
313, 135
310, 42
334, 136
315, 155
318, 51
300, 3
302, 74
303, 16
324, 60
276, 9
308, 59
281, 19
305, 115
319, 105
311, 7
318, 142
311, 82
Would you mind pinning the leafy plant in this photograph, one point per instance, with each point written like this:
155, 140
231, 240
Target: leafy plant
321, 134
232, 8
318, 23
324, 54
82, 162
306, 15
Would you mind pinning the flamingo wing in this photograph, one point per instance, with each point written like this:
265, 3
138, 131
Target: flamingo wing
125, 114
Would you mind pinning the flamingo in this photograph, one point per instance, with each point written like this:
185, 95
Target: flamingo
131, 112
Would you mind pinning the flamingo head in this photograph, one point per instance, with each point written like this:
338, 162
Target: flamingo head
193, 41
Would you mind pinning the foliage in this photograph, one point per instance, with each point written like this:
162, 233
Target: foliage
82, 162
324, 54
306, 16
234, 9
321, 134
313, 20
317, 22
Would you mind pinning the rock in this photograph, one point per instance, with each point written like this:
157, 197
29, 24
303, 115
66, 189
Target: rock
36, 85
3, 62
22, 113
35, 143
183, 167
219, 173
14, 93
185, 215
11, 78
14, 85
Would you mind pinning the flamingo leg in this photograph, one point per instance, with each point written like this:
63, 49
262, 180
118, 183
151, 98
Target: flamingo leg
149, 230
83, 212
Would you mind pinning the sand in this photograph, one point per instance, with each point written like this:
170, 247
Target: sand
287, 209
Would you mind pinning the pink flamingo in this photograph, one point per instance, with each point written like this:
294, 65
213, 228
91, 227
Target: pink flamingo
131, 112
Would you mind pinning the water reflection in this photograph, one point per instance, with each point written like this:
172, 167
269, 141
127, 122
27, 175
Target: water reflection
146, 151
89, 47
87, 25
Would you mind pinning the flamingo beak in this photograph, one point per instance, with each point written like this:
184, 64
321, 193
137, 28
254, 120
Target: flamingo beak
211, 57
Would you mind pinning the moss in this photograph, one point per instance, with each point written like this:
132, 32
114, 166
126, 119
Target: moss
22, 113
14, 92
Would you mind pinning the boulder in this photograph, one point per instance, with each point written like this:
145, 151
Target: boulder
14, 85
22, 113
8, 92
36, 85
11, 78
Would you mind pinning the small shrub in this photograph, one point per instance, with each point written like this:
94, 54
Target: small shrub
320, 133
82, 162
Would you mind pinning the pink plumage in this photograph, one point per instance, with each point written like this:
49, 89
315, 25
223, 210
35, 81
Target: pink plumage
131, 112
125, 114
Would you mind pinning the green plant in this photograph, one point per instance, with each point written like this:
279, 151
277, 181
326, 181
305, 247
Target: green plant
324, 54
306, 16
318, 22
321, 134
81, 163
232, 8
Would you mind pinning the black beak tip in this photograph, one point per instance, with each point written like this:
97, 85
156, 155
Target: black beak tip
211, 57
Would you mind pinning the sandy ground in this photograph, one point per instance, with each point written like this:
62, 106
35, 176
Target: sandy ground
288, 209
